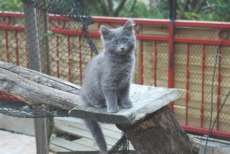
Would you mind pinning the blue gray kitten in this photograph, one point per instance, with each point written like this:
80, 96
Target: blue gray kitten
108, 76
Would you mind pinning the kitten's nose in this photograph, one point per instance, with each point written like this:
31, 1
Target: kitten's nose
122, 48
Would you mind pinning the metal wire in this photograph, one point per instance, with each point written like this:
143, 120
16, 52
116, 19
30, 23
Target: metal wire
211, 126
23, 110
122, 143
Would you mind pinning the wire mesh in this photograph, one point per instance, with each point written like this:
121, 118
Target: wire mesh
23, 110
38, 41
69, 51
194, 72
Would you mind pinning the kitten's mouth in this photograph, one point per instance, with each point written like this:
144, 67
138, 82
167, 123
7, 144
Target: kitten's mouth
122, 52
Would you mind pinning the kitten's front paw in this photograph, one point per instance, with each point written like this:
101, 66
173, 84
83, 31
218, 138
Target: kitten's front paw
113, 109
127, 104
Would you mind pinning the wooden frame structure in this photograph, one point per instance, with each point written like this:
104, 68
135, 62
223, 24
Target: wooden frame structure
148, 123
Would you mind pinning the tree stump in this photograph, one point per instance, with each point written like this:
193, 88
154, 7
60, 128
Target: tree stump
158, 133
149, 125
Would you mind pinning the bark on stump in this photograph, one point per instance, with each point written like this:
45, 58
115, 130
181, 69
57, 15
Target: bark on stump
158, 133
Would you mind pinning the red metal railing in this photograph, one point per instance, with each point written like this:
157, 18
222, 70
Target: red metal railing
160, 54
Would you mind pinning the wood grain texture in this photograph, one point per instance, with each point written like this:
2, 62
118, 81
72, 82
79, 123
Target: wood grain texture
146, 100
158, 133
41, 78
36, 88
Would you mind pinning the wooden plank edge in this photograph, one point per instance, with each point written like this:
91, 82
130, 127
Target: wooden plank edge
80, 112
100, 113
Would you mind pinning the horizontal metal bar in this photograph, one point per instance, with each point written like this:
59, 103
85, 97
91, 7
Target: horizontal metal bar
11, 14
200, 41
136, 21
204, 24
151, 37
182, 23
97, 34
206, 131
138, 36
8, 97
10, 27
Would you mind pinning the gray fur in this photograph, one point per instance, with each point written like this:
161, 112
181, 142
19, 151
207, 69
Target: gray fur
108, 75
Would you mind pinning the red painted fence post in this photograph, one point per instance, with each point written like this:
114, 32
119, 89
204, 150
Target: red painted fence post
171, 58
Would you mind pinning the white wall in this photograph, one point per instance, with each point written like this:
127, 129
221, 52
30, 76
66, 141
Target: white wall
19, 125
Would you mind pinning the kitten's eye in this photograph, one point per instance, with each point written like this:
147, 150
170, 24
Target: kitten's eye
125, 40
115, 42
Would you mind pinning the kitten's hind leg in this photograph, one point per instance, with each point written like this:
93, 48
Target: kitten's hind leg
125, 101
99, 103
94, 101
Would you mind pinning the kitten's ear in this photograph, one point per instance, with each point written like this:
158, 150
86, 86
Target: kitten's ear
128, 27
106, 32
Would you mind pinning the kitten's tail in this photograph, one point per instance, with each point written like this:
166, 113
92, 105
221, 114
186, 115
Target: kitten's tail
97, 134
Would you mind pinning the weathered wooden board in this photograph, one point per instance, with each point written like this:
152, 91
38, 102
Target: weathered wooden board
76, 127
36, 88
41, 78
146, 100
70, 146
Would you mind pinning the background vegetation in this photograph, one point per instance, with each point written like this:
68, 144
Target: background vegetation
210, 10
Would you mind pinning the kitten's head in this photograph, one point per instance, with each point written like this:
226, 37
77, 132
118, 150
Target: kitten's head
120, 40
